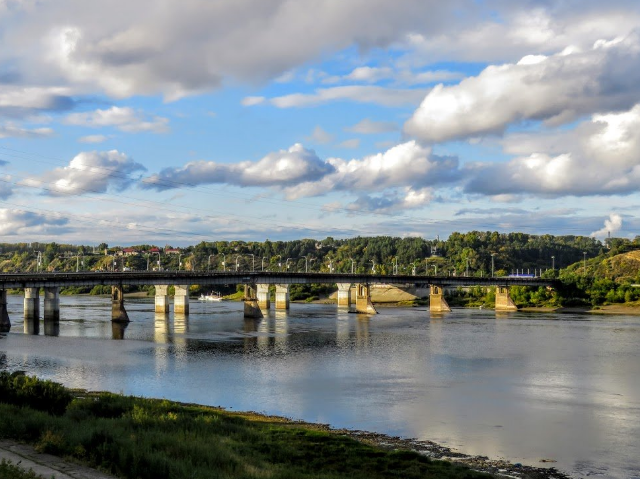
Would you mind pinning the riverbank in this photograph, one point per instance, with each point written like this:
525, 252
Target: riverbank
310, 449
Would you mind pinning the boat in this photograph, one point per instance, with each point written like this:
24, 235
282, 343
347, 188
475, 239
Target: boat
210, 297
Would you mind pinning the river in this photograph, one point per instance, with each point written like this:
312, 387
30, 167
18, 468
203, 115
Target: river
519, 386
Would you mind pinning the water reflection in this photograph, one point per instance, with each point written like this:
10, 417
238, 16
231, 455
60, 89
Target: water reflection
516, 385
31, 326
52, 328
117, 329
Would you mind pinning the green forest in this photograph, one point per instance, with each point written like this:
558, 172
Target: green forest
591, 272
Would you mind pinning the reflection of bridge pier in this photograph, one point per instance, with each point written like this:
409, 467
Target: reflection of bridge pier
5, 322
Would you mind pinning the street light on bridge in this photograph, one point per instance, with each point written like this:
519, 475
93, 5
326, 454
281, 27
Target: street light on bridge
492, 267
553, 263
209, 261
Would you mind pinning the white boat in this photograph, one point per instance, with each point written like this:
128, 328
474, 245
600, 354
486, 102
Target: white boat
210, 297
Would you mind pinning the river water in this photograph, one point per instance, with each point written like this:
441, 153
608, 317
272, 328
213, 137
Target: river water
519, 386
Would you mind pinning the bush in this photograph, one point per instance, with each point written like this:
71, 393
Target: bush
21, 390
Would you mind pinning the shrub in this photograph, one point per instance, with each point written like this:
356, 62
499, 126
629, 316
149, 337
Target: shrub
21, 390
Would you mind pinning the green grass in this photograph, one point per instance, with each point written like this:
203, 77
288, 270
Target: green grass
146, 438
10, 471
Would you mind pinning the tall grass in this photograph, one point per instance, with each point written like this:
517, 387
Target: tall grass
146, 438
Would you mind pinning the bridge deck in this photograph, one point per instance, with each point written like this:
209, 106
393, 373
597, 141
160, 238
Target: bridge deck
205, 278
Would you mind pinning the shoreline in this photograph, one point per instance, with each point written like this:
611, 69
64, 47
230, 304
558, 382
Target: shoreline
500, 468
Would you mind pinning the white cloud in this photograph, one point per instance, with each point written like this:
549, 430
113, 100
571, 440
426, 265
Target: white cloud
598, 157
6, 186
19, 223
123, 118
126, 48
611, 226
92, 139
389, 202
369, 74
90, 172
10, 130
23, 102
556, 89
405, 165
351, 143
370, 127
252, 100
377, 95
320, 136
279, 169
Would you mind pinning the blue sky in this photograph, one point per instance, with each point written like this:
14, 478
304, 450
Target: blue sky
180, 122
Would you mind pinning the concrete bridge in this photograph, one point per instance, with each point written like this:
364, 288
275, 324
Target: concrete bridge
256, 289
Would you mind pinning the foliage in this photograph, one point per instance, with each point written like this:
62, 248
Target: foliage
145, 438
16, 388
10, 471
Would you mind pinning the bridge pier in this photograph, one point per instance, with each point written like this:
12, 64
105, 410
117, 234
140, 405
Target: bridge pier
118, 313
282, 296
251, 307
162, 299
437, 303
51, 305
503, 300
344, 295
5, 322
363, 300
181, 299
262, 293
32, 310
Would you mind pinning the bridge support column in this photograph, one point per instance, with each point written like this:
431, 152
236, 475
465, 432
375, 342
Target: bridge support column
503, 300
437, 303
282, 296
181, 299
5, 322
264, 302
251, 307
32, 310
118, 313
344, 295
162, 299
51, 305
363, 300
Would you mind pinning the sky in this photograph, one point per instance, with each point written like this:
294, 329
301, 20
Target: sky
166, 122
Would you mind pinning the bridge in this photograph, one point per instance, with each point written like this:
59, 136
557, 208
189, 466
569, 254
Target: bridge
256, 289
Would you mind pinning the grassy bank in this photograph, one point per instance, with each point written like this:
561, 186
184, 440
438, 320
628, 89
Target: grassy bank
147, 438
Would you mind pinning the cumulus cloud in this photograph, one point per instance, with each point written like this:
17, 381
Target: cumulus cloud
389, 202
406, 165
611, 226
123, 118
20, 223
128, 48
523, 28
367, 74
556, 88
281, 168
90, 172
370, 127
21, 102
600, 156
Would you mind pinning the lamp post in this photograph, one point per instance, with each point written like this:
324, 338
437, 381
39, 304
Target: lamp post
467, 272
38, 260
253, 263
395, 267
286, 263
584, 263
78, 261
209, 261
331, 266
224, 262
553, 263
279, 262
306, 268
262, 263
179, 261
159, 265
492, 267
352, 263
237, 262
373, 267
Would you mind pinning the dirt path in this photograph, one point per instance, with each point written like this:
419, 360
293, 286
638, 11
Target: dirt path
46, 465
